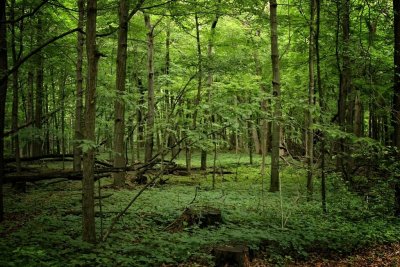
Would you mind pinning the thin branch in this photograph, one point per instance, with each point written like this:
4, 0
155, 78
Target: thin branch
26, 15
37, 50
43, 119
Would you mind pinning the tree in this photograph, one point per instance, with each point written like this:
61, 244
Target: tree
15, 85
150, 90
38, 142
79, 89
396, 94
89, 229
276, 92
3, 95
119, 105
309, 116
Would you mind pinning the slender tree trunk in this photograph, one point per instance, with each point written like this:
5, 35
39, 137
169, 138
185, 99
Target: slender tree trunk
322, 107
345, 77
89, 228
38, 142
264, 129
199, 74
209, 78
3, 95
396, 87
358, 115
119, 106
30, 107
309, 117
78, 131
15, 103
250, 140
150, 90
139, 117
276, 92
396, 95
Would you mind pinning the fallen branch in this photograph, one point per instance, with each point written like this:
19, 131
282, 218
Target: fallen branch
70, 175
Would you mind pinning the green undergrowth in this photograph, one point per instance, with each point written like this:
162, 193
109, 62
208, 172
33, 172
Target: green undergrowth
42, 231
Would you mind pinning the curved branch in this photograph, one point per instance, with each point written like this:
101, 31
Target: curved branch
26, 15
36, 50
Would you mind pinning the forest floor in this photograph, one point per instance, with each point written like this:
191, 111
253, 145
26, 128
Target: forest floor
43, 226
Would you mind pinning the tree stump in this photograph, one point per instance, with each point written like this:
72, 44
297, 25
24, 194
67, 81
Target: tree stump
205, 217
232, 256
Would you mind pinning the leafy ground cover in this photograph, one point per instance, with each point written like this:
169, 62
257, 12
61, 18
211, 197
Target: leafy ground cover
43, 226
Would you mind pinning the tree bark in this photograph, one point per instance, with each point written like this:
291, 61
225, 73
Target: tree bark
3, 95
119, 105
78, 131
264, 129
15, 102
322, 107
396, 95
89, 230
311, 88
276, 92
38, 142
30, 107
150, 90
396, 87
344, 109
210, 49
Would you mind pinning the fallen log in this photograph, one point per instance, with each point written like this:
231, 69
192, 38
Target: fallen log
60, 157
70, 175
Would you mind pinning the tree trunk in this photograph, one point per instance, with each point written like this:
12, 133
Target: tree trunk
309, 117
358, 115
119, 106
264, 129
38, 142
396, 95
3, 95
322, 107
276, 92
30, 108
79, 91
396, 87
89, 229
139, 117
345, 74
15, 102
209, 80
150, 90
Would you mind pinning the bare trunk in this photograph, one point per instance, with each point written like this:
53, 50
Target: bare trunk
150, 90
209, 79
15, 103
322, 107
276, 92
264, 129
358, 115
3, 95
89, 228
396, 95
38, 142
309, 117
119, 106
30, 108
79, 91
139, 118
